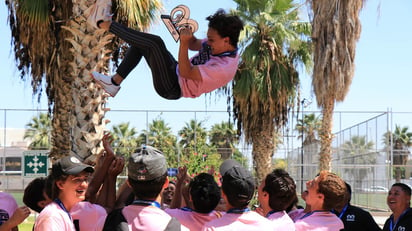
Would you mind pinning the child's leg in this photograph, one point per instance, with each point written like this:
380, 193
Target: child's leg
161, 62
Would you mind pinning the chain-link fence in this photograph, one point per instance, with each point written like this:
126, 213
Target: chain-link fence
360, 155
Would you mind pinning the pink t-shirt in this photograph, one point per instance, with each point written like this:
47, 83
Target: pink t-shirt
53, 218
146, 218
192, 220
7, 206
91, 217
319, 221
296, 214
248, 221
216, 72
281, 221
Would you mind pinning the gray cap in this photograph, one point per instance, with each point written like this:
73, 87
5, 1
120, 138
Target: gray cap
70, 165
146, 164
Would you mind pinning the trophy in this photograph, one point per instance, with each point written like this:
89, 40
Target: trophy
178, 19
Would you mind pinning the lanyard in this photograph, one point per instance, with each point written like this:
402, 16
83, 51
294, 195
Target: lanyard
343, 211
391, 225
238, 211
187, 209
61, 205
146, 203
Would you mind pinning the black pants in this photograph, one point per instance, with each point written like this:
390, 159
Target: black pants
159, 59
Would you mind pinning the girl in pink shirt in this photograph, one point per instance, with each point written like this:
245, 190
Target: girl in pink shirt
70, 182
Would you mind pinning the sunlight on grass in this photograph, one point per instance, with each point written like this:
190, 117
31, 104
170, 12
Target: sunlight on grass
27, 224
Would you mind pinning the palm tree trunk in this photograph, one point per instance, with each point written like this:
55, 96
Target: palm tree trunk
89, 53
61, 119
326, 136
59, 89
263, 149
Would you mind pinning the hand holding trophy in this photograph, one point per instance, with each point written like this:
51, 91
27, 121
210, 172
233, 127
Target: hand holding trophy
179, 18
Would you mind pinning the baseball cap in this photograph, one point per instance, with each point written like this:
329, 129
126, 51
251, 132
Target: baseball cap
146, 164
237, 182
70, 165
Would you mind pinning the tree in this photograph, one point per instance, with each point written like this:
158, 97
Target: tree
399, 141
73, 49
38, 132
192, 135
309, 127
336, 29
124, 139
275, 41
160, 136
225, 138
357, 152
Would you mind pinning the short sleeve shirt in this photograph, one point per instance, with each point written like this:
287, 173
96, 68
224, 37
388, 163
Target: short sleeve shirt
281, 221
248, 221
90, 216
7, 206
216, 71
194, 221
146, 218
319, 221
53, 218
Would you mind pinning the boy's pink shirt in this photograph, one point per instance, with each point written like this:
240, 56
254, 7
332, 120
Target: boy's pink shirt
216, 73
192, 220
53, 218
249, 221
296, 214
91, 216
319, 221
146, 218
281, 221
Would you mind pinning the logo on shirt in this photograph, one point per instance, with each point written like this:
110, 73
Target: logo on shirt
401, 228
203, 56
350, 217
4, 216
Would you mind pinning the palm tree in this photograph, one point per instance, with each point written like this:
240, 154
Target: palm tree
274, 42
124, 139
38, 131
64, 62
192, 135
358, 151
225, 138
336, 29
308, 127
399, 141
160, 136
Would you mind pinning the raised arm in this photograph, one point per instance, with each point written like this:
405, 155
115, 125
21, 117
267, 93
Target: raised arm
186, 69
104, 161
181, 181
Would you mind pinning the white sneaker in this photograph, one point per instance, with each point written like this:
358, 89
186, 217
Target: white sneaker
106, 83
98, 12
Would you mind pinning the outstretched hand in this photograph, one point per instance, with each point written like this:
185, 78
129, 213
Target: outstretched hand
182, 175
107, 145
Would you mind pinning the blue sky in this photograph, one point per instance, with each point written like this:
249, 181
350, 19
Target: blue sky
382, 78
